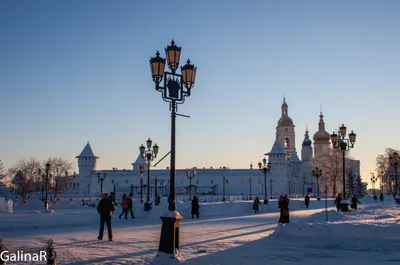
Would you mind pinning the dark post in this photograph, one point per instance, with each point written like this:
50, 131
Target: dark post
265, 186
148, 180
270, 189
172, 194
141, 183
250, 179
46, 203
223, 188
344, 174
101, 181
156, 200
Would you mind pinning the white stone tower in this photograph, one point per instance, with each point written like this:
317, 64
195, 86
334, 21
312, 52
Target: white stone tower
285, 131
306, 149
279, 169
321, 138
87, 161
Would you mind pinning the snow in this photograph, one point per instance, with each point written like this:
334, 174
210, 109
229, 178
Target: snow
227, 233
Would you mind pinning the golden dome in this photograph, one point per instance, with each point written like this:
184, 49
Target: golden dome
285, 121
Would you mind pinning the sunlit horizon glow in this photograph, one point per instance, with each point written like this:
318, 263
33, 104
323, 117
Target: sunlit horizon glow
79, 71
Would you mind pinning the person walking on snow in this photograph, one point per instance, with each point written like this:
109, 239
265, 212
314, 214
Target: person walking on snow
256, 205
195, 207
307, 200
337, 202
124, 205
130, 200
105, 208
354, 202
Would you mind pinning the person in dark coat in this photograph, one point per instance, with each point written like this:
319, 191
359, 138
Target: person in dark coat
124, 205
105, 208
256, 205
381, 197
337, 202
375, 198
354, 202
195, 207
307, 200
284, 208
130, 201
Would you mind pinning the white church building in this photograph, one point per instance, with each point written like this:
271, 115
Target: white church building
288, 174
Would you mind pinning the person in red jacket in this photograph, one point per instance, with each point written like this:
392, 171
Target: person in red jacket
124, 207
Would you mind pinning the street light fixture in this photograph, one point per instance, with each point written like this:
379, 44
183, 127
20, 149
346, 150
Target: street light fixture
317, 173
341, 143
101, 178
46, 202
394, 162
265, 167
224, 180
141, 169
190, 175
148, 155
176, 88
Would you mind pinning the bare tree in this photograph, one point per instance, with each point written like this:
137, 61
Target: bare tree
331, 163
59, 168
383, 169
24, 174
1, 169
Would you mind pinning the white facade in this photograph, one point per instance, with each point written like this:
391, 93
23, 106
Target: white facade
288, 174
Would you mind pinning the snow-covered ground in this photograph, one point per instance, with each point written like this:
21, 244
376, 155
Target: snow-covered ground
226, 233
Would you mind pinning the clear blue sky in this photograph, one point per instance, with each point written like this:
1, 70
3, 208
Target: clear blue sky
73, 71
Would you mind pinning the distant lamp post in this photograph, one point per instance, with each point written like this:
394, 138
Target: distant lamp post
101, 179
265, 167
176, 88
190, 175
148, 154
141, 169
250, 180
223, 187
303, 182
394, 162
46, 202
317, 173
341, 143
373, 181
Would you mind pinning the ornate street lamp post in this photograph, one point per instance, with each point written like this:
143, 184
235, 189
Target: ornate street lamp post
270, 188
341, 143
141, 183
394, 162
148, 155
46, 202
265, 167
317, 173
303, 182
190, 175
373, 181
223, 187
176, 88
250, 180
101, 178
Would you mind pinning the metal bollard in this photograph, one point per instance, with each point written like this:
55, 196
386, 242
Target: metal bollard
2, 248
51, 254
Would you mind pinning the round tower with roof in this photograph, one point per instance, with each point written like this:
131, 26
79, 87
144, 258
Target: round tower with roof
87, 161
285, 131
306, 149
321, 138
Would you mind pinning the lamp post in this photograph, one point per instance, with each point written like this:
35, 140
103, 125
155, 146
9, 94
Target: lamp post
250, 180
270, 188
394, 162
148, 155
156, 197
341, 143
303, 182
373, 181
46, 202
190, 175
223, 188
141, 183
176, 88
265, 167
317, 172
101, 178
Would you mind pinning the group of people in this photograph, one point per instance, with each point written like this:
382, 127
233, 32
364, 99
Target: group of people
283, 205
353, 205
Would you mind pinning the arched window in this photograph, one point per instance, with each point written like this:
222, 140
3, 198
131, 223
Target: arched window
287, 143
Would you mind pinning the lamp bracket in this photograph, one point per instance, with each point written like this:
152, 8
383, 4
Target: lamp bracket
182, 115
